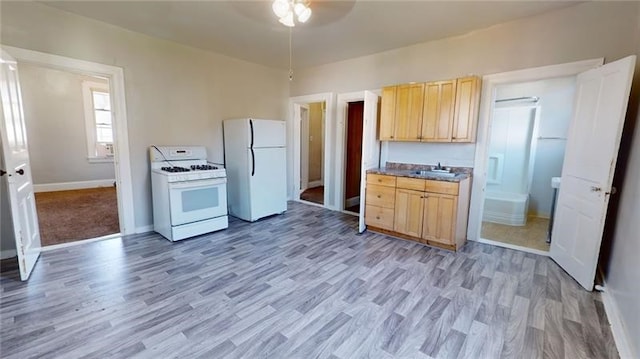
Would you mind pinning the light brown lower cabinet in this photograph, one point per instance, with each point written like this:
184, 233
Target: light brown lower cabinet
426, 211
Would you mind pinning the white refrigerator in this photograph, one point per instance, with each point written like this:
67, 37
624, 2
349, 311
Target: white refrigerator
255, 160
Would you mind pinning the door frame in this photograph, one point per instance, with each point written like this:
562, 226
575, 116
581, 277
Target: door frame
122, 164
293, 138
342, 105
304, 147
489, 85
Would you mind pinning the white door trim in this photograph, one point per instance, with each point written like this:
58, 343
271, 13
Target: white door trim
304, 147
489, 84
121, 136
293, 137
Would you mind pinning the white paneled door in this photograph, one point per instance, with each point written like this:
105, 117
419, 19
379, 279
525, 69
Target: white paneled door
370, 147
18, 169
587, 174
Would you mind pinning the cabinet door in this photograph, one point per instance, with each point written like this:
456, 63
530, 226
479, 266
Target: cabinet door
379, 217
438, 111
408, 212
439, 218
387, 113
408, 118
466, 109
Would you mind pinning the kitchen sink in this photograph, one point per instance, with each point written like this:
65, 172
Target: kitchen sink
435, 173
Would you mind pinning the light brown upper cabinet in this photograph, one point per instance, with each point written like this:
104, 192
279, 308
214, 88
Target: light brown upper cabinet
439, 111
408, 118
401, 112
466, 113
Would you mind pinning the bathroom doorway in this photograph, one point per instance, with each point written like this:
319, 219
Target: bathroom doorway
527, 138
312, 128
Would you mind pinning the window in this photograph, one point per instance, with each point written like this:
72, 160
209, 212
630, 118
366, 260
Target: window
98, 121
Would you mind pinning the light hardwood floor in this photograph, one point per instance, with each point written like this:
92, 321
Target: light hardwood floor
298, 285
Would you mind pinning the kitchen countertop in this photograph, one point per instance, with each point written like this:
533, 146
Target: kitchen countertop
412, 171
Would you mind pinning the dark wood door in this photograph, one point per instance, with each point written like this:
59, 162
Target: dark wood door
354, 149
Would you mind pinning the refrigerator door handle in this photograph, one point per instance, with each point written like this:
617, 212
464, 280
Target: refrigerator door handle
253, 162
251, 126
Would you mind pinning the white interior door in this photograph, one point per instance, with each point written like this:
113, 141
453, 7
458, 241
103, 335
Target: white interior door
18, 168
587, 173
370, 147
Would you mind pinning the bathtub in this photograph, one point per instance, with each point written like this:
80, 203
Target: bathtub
506, 208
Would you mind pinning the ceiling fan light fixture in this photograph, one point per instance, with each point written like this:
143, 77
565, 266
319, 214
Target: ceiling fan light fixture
287, 19
304, 15
288, 11
280, 8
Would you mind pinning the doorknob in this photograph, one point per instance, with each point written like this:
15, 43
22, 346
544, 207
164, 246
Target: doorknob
595, 189
20, 172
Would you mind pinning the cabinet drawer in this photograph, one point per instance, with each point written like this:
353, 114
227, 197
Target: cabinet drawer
382, 180
379, 217
410, 183
441, 187
380, 196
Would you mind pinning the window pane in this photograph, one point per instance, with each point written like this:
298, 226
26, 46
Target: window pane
104, 134
101, 101
103, 117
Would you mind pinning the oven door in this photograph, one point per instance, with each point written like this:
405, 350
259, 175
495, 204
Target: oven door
197, 200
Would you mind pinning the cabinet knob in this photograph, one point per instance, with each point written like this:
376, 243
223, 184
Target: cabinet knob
379, 180
377, 217
379, 196
453, 137
391, 137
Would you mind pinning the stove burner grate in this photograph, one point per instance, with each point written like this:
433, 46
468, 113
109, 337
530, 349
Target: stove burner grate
175, 169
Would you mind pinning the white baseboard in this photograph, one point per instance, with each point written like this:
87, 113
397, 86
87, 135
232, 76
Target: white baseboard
352, 201
623, 343
317, 183
66, 186
8, 253
144, 229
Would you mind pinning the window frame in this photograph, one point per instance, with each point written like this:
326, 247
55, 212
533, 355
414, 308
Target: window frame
88, 87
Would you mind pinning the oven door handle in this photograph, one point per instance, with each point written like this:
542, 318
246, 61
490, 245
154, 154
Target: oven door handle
253, 163
197, 183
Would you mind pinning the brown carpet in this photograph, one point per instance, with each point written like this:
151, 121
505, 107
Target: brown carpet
315, 195
67, 216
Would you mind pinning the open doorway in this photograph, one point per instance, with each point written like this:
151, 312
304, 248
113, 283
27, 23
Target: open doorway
353, 153
312, 128
527, 138
68, 118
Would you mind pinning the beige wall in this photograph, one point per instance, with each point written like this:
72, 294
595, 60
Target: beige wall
54, 115
315, 141
584, 31
175, 94
622, 271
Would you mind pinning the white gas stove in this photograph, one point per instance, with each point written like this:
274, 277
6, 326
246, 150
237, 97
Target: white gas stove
189, 193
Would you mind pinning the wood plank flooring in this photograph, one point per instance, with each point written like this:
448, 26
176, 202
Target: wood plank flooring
298, 285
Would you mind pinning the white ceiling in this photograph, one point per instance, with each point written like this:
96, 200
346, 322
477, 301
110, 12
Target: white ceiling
337, 30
